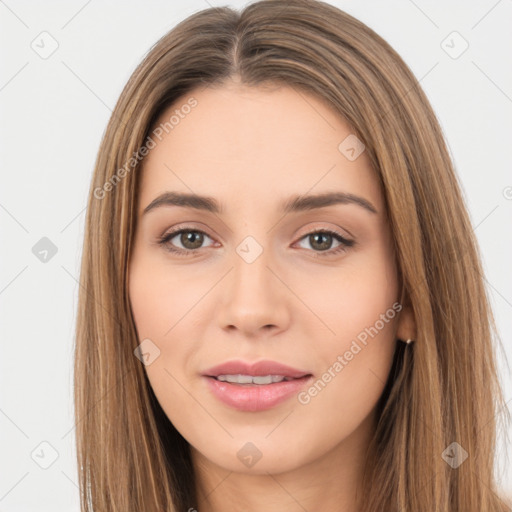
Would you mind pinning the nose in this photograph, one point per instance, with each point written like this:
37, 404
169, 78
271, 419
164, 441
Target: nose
254, 298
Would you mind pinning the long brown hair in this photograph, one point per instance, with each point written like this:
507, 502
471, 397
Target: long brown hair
441, 390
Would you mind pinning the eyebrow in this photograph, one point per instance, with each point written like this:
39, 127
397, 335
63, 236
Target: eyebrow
293, 204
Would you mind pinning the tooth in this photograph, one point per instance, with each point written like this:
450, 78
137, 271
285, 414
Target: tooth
267, 379
236, 379
249, 379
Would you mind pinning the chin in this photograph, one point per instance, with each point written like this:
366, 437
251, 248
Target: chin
258, 454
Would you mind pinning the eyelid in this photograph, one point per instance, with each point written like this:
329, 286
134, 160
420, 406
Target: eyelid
183, 226
319, 226
178, 229
312, 229
344, 243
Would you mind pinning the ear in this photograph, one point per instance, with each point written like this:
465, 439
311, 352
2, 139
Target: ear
406, 324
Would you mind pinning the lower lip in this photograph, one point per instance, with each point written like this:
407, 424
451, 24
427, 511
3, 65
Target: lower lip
255, 397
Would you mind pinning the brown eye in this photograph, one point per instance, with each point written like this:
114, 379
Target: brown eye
187, 241
322, 240
191, 239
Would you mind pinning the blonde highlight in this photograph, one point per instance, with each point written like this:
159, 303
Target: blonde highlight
442, 388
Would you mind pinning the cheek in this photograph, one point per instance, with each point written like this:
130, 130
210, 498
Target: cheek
356, 301
360, 307
159, 306
160, 297
164, 303
354, 365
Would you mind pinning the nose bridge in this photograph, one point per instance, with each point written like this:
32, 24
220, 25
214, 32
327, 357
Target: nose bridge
251, 273
252, 299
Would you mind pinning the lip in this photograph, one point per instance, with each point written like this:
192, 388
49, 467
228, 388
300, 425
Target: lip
255, 397
259, 368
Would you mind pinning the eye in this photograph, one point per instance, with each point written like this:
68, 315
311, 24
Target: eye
323, 239
191, 241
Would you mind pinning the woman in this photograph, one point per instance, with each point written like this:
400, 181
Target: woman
283, 303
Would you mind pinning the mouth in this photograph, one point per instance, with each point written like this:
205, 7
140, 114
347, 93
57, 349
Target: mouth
256, 387
241, 372
250, 380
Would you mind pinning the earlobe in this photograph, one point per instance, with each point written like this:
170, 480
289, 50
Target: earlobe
406, 328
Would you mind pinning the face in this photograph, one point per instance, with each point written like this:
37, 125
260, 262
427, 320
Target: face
313, 287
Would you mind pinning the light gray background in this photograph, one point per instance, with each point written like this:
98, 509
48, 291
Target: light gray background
53, 113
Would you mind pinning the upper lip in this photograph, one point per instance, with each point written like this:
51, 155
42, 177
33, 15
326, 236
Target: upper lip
259, 368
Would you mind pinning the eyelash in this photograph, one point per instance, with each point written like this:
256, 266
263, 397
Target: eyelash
344, 243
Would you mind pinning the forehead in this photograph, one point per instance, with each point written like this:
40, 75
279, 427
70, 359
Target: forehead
257, 144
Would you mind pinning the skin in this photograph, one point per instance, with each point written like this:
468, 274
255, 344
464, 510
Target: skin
251, 148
